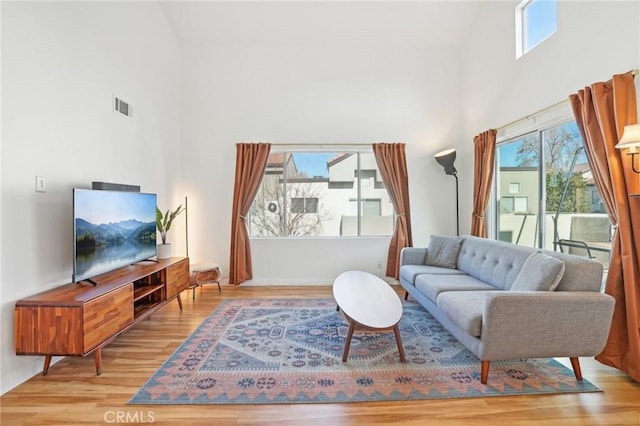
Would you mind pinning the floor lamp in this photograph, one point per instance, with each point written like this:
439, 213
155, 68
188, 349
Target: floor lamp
446, 159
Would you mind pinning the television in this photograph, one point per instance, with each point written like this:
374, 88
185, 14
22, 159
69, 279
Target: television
111, 229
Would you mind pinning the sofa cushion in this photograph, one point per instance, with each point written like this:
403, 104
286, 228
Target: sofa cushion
464, 309
580, 273
410, 272
432, 285
443, 251
539, 273
494, 262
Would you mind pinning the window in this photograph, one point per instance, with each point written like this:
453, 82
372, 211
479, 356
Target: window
371, 208
536, 20
304, 205
557, 203
368, 207
321, 194
511, 204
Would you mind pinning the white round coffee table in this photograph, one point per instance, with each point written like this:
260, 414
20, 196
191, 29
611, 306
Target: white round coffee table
368, 303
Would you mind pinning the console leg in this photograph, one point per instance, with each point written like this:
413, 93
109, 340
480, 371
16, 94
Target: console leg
98, 358
484, 373
47, 363
180, 301
575, 363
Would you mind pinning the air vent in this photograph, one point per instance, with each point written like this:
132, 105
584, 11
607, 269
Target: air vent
121, 106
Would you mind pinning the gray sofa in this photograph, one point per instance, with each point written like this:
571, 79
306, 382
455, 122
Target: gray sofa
504, 301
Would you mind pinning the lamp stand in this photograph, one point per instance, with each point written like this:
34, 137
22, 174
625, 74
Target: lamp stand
455, 175
633, 161
186, 226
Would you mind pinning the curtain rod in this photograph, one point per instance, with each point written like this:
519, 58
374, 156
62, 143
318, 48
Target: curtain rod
529, 116
557, 104
321, 144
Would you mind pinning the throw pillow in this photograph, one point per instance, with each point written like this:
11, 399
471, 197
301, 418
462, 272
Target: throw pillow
540, 272
443, 251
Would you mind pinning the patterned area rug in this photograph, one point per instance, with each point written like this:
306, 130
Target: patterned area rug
272, 351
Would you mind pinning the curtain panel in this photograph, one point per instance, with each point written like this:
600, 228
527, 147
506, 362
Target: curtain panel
251, 162
484, 155
392, 162
601, 111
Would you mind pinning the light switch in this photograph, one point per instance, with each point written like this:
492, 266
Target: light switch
40, 184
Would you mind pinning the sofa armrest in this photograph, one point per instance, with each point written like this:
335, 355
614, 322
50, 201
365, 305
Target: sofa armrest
544, 324
413, 256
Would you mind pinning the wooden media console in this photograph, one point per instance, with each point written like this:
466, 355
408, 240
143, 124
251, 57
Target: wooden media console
79, 319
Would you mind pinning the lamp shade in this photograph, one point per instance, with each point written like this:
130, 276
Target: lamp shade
630, 137
446, 159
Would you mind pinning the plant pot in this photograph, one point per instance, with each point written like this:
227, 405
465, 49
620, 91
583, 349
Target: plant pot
164, 251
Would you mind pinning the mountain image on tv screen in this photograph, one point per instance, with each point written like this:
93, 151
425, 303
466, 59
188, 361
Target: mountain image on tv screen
112, 229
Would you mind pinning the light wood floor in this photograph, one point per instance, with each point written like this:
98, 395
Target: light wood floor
72, 394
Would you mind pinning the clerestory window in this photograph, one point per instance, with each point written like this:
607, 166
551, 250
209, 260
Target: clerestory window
536, 20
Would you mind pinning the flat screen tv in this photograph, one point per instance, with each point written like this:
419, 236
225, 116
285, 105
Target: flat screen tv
111, 229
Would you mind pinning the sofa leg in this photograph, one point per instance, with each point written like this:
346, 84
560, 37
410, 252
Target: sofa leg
406, 295
575, 363
484, 372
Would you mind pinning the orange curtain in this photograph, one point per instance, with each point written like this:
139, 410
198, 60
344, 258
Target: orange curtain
484, 154
602, 110
251, 161
392, 163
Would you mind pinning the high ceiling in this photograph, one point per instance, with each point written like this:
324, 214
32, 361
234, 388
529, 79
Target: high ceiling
395, 23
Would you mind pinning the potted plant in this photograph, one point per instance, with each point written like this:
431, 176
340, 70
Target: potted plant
163, 223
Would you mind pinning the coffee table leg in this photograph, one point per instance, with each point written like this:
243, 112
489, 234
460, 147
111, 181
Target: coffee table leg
396, 331
347, 342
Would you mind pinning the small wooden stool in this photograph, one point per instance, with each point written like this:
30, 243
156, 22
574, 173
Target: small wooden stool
204, 273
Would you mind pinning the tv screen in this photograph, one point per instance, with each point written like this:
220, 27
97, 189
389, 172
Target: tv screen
112, 229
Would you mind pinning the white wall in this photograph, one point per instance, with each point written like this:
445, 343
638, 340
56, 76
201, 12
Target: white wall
314, 94
595, 39
61, 65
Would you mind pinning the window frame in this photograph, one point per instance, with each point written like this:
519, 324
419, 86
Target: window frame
522, 25
555, 115
358, 151
538, 123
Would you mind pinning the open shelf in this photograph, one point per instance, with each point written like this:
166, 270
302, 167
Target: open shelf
142, 291
140, 310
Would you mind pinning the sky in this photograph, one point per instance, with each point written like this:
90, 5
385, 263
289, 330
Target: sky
314, 163
99, 207
541, 21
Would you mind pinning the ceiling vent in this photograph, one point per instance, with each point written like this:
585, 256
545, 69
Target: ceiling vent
121, 106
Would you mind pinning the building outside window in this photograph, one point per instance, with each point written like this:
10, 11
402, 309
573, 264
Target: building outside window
321, 194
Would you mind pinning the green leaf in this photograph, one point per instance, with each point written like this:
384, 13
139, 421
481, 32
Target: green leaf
164, 221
